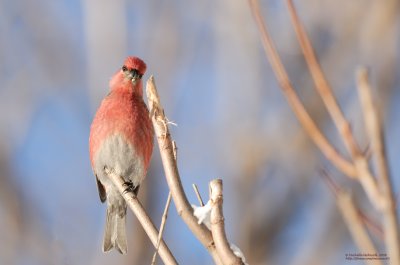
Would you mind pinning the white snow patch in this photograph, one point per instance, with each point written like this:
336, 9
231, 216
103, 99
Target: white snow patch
238, 253
203, 214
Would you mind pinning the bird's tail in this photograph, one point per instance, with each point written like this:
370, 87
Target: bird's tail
115, 235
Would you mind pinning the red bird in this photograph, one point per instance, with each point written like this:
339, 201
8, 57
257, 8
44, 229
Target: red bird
121, 140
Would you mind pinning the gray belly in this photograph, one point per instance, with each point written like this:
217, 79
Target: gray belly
117, 154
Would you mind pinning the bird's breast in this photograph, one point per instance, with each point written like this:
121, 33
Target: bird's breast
122, 136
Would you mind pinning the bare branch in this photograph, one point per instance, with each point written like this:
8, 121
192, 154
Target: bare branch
355, 225
333, 186
165, 145
336, 189
381, 199
293, 99
218, 225
163, 221
321, 83
368, 182
372, 225
196, 190
360, 161
374, 130
143, 218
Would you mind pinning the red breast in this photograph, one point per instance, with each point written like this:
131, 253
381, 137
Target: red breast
125, 113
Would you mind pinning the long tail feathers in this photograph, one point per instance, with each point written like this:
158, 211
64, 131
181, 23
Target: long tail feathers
115, 235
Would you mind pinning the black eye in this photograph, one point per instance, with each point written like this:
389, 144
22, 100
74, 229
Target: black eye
124, 68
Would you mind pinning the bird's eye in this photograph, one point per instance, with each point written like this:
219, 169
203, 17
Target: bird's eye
124, 68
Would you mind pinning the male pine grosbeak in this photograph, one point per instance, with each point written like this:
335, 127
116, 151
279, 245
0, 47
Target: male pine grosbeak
121, 141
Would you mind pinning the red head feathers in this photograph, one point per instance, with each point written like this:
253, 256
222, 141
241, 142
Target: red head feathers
135, 63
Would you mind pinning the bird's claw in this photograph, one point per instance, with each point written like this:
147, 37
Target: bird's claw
130, 187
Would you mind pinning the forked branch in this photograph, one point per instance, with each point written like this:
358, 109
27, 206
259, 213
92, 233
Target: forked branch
294, 101
378, 190
160, 123
364, 175
374, 130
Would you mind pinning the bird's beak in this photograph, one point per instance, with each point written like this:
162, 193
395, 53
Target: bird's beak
134, 75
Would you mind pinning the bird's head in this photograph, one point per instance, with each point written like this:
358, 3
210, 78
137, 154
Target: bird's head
130, 75
133, 69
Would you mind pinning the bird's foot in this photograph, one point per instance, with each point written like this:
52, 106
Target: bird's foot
130, 187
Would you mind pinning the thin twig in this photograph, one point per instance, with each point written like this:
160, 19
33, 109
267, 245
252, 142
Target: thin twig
336, 189
196, 190
374, 130
163, 222
293, 99
143, 218
218, 225
360, 161
165, 145
372, 225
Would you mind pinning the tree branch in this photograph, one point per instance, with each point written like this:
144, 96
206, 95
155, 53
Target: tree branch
381, 199
143, 218
163, 221
356, 226
196, 190
374, 130
293, 99
353, 219
218, 225
165, 145
321, 83
360, 161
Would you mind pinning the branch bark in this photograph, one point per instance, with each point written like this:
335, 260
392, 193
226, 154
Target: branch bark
218, 225
184, 209
143, 218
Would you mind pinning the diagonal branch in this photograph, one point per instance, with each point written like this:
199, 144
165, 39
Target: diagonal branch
374, 130
143, 218
321, 83
381, 199
166, 147
360, 161
196, 190
356, 226
162, 226
293, 99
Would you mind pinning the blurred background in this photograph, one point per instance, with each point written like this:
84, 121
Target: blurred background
56, 58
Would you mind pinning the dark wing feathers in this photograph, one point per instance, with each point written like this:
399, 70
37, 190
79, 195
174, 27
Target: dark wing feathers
102, 190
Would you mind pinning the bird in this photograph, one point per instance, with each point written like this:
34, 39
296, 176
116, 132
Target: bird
121, 141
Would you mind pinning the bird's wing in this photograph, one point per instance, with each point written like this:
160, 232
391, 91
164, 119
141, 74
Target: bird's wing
102, 190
